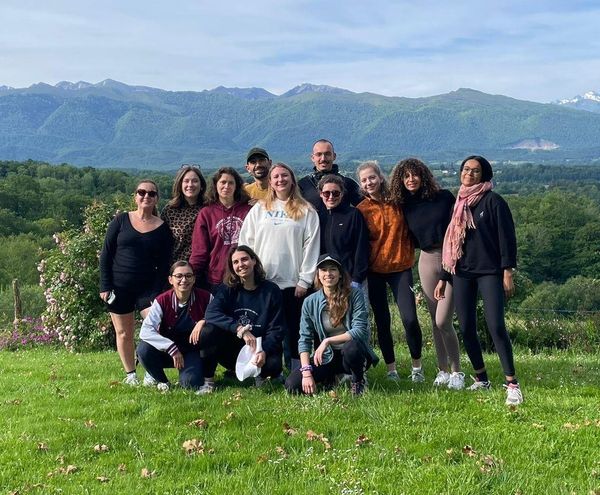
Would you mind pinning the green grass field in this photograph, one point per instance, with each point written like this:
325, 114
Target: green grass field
69, 426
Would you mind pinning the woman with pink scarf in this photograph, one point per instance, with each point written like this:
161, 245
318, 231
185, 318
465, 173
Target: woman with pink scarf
480, 252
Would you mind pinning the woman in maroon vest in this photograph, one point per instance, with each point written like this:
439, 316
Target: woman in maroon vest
171, 332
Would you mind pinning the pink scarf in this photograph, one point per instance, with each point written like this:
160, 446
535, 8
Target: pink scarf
462, 219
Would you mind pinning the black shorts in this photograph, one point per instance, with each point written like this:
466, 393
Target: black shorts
127, 301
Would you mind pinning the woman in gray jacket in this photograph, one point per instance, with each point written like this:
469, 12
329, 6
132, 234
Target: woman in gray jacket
336, 317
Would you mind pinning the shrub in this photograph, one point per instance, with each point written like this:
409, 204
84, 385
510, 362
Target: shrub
70, 277
28, 333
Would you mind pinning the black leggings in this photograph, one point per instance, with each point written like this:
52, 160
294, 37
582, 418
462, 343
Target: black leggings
292, 311
401, 284
349, 359
465, 301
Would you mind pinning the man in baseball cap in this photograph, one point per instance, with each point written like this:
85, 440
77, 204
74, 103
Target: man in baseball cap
258, 164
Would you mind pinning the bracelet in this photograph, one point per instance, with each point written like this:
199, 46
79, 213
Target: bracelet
307, 367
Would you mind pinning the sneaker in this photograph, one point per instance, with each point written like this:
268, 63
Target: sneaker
207, 388
456, 381
514, 397
358, 388
479, 385
131, 379
149, 380
393, 376
417, 376
162, 387
441, 378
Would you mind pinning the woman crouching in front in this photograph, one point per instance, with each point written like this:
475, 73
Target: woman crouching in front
337, 316
170, 334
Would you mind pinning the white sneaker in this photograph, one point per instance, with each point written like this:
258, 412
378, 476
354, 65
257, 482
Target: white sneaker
131, 379
162, 387
441, 378
514, 397
479, 385
149, 380
207, 388
417, 376
393, 376
456, 381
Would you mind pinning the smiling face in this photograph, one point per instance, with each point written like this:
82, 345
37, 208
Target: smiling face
331, 195
190, 186
226, 188
412, 181
146, 195
243, 265
470, 175
370, 182
281, 182
182, 280
258, 166
323, 156
329, 275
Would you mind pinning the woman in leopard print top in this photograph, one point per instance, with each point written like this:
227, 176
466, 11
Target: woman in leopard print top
181, 212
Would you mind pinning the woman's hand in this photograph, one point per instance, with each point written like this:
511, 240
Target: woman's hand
178, 360
440, 290
195, 335
300, 291
508, 283
318, 357
104, 295
308, 383
249, 339
259, 359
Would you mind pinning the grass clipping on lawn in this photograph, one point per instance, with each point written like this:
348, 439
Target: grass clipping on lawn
69, 425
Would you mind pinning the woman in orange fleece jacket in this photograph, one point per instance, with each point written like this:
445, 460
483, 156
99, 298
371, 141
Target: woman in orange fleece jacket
390, 263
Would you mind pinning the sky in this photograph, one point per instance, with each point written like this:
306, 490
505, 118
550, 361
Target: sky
533, 50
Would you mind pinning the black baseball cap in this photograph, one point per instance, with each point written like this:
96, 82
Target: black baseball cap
257, 152
326, 258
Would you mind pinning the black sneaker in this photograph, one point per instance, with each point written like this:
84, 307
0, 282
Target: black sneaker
358, 388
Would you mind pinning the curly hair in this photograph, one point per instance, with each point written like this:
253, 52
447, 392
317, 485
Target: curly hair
239, 196
177, 198
231, 279
339, 300
429, 186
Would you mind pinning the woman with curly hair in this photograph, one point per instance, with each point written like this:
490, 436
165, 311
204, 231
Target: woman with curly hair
218, 226
336, 314
283, 230
181, 211
390, 264
427, 210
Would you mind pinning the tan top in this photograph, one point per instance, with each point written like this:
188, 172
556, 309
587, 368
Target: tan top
392, 249
255, 191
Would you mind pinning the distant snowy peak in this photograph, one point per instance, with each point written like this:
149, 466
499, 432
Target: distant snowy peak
69, 86
590, 102
315, 88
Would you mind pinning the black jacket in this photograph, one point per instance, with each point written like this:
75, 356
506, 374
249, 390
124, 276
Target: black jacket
309, 186
428, 219
344, 235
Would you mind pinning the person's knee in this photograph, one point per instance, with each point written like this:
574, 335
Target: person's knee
143, 350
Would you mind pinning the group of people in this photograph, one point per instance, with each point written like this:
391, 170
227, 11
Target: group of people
289, 268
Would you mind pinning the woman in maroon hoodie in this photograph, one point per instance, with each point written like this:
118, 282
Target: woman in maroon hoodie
218, 226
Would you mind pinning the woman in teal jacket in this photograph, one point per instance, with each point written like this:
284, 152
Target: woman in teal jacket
335, 318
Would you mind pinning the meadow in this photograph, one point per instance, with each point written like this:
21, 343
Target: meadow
70, 426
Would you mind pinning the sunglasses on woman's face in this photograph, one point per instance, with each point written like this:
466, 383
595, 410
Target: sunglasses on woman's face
334, 194
143, 192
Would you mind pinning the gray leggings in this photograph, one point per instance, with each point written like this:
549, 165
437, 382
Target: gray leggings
444, 336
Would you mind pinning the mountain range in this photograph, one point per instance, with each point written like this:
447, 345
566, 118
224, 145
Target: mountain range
589, 101
112, 124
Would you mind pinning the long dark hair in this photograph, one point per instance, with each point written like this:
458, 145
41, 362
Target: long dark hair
231, 279
339, 301
177, 199
429, 187
240, 194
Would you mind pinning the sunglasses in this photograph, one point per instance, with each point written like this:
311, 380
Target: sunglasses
333, 194
179, 276
192, 165
143, 192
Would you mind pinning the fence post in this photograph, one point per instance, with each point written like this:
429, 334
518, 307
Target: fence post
17, 301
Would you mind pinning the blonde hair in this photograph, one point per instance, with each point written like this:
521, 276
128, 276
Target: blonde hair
386, 195
296, 206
